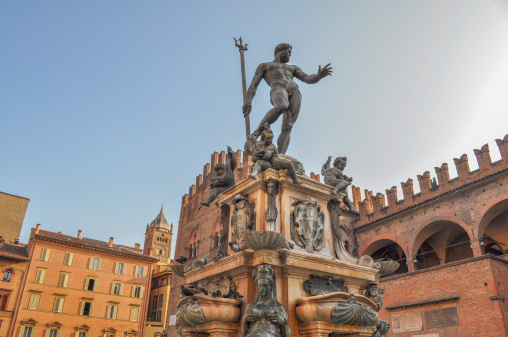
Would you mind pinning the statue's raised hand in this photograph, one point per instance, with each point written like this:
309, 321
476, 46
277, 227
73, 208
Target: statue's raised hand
325, 71
247, 108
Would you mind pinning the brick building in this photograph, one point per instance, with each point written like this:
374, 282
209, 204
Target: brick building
451, 239
76, 286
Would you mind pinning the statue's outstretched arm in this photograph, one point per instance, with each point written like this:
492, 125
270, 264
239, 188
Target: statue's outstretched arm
251, 92
311, 79
326, 165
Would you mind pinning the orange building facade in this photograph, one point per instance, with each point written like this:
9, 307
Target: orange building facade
80, 287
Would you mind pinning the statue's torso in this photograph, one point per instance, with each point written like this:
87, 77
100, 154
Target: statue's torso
280, 75
263, 327
332, 174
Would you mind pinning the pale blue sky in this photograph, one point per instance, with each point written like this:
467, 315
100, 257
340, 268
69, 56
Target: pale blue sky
109, 109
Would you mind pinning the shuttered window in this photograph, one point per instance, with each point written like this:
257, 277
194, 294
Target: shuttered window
68, 259
59, 302
64, 280
40, 276
45, 254
34, 301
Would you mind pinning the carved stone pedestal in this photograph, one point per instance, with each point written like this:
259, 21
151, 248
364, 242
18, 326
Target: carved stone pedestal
324, 329
214, 329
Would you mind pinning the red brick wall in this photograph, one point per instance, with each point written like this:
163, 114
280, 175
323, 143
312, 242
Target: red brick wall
474, 280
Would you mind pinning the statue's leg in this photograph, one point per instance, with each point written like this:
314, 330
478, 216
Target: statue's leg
349, 205
295, 101
211, 197
280, 101
341, 185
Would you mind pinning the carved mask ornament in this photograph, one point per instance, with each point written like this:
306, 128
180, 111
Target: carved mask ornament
307, 224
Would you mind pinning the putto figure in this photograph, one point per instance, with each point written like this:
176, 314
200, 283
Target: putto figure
284, 94
225, 177
265, 156
336, 178
265, 316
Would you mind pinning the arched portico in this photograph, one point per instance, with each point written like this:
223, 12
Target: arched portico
383, 249
441, 241
493, 229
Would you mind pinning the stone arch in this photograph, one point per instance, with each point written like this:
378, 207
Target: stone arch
385, 247
493, 227
368, 246
441, 241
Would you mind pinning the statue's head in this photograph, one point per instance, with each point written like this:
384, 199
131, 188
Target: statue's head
340, 163
264, 276
285, 50
267, 136
219, 169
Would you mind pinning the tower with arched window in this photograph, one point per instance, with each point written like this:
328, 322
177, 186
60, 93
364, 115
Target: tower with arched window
158, 236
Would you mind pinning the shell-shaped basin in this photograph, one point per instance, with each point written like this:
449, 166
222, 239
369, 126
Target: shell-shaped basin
265, 240
225, 310
319, 308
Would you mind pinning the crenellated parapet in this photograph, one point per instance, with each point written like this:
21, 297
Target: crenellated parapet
373, 208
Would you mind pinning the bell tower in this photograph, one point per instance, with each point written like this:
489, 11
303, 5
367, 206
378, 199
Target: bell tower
158, 236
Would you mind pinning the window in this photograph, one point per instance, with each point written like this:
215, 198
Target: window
86, 308
4, 299
82, 334
134, 314
161, 296
68, 258
137, 291
164, 282
117, 288
45, 254
120, 268
59, 302
154, 302
52, 333
95, 263
139, 271
34, 301
27, 331
8, 275
159, 313
112, 311
40, 276
152, 316
91, 284
64, 280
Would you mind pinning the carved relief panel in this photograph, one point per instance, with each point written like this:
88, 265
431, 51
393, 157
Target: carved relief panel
307, 224
243, 219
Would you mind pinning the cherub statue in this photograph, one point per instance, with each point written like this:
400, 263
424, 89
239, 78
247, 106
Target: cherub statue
265, 316
335, 177
265, 155
225, 177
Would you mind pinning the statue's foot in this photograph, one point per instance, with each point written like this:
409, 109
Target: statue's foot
297, 181
252, 176
205, 204
334, 192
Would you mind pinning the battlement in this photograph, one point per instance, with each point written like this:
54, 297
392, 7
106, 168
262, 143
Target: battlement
373, 208
203, 179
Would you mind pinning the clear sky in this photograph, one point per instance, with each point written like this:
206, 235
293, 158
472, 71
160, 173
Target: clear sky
109, 109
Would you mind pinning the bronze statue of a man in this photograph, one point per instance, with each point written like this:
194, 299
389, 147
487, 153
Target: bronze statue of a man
284, 94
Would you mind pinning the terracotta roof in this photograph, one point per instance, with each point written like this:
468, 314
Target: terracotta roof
86, 242
14, 252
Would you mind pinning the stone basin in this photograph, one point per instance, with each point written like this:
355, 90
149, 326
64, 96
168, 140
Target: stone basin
225, 310
319, 308
264, 240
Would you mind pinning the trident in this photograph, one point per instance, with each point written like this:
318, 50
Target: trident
242, 49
